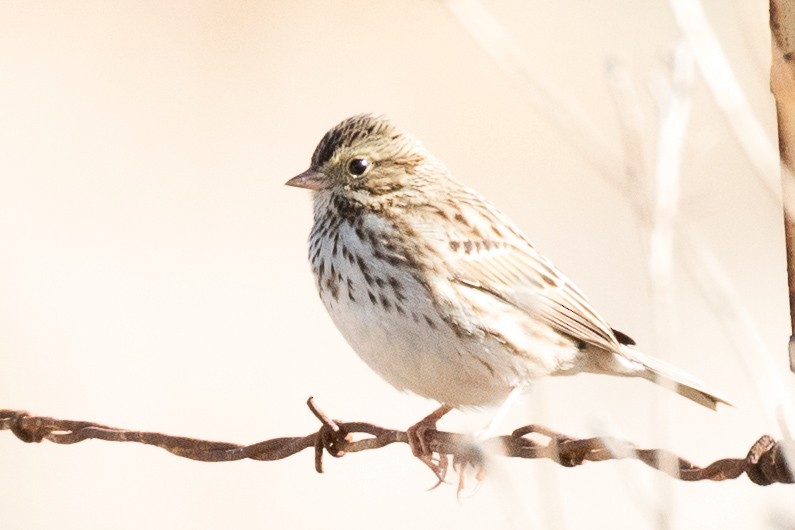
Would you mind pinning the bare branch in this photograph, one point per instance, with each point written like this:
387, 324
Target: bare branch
782, 84
765, 463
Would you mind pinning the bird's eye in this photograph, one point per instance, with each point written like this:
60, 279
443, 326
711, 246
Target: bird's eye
358, 166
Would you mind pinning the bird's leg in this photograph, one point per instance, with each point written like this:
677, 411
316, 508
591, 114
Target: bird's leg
418, 443
491, 427
477, 459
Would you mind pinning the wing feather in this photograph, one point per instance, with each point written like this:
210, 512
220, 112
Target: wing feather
520, 276
483, 249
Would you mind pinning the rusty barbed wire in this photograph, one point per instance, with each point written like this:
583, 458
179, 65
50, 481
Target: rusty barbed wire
764, 464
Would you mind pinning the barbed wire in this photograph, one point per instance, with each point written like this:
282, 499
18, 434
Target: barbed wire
764, 464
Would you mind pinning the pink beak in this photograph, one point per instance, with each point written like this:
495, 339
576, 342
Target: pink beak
309, 179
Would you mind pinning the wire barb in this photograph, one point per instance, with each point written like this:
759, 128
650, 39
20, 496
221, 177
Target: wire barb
764, 464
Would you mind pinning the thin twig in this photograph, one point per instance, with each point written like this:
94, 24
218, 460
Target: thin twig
564, 113
726, 90
764, 464
674, 112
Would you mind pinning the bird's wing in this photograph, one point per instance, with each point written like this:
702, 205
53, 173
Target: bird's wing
482, 249
520, 276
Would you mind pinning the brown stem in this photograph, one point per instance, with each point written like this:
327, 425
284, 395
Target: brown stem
782, 84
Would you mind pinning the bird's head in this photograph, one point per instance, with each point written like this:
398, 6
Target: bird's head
365, 157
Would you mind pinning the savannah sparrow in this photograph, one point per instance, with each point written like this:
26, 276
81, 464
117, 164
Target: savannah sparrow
438, 291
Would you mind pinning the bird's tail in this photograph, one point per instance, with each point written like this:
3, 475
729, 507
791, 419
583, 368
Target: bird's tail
668, 376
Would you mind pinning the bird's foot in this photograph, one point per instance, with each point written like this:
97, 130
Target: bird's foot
469, 467
420, 445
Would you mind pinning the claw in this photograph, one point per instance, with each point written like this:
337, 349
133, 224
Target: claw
462, 466
420, 446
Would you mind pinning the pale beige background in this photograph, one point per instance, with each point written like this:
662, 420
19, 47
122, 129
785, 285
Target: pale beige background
153, 267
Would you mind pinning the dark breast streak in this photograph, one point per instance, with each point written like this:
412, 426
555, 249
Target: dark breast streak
396, 247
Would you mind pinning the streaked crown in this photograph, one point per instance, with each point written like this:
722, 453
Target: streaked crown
355, 131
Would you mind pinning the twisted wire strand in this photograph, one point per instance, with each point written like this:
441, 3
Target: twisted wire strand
764, 464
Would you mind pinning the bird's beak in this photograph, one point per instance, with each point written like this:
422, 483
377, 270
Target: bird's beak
309, 179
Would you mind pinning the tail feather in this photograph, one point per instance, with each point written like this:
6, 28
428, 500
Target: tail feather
680, 382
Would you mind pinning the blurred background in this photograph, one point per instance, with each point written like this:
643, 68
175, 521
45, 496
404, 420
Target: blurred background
154, 272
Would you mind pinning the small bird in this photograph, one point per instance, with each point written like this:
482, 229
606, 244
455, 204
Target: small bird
438, 291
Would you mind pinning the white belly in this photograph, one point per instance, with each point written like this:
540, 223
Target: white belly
387, 317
